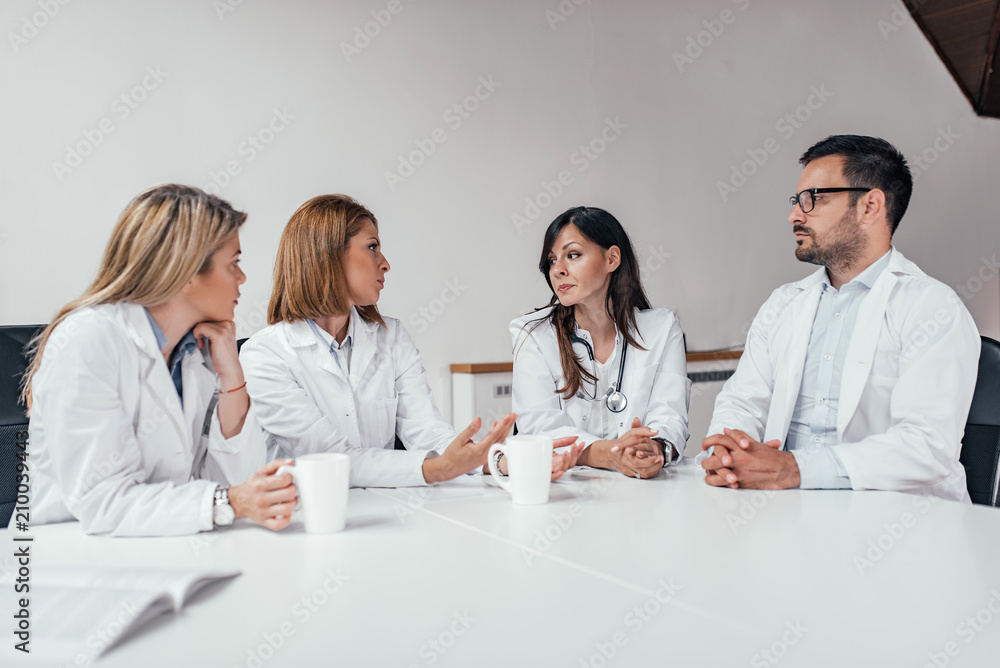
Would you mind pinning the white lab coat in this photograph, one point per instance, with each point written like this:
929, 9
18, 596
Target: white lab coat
110, 444
906, 389
655, 381
307, 404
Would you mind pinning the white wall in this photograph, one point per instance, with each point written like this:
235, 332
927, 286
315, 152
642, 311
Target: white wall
450, 223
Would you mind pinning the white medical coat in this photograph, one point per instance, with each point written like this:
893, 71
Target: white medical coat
307, 403
110, 443
906, 389
654, 381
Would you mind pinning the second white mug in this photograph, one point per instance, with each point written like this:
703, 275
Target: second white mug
322, 480
529, 468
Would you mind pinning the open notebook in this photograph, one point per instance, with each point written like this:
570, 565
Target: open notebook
87, 610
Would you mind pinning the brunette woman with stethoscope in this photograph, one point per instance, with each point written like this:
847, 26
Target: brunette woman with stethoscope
598, 363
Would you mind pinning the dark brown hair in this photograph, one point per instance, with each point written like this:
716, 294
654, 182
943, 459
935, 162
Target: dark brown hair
625, 292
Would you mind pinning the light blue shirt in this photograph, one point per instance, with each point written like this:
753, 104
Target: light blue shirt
813, 428
340, 351
184, 347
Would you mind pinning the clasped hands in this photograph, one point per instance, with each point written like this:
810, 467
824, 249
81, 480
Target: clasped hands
739, 461
634, 454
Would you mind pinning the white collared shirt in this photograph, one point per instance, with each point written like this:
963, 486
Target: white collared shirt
814, 420
602, 423
341, 351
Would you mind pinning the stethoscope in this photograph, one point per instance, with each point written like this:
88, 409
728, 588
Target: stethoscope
613, 398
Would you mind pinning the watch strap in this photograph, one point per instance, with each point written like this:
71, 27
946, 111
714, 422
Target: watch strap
495, 462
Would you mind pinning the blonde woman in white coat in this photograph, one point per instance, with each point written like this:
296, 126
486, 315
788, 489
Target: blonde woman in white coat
597, 363
139, 418
331, 374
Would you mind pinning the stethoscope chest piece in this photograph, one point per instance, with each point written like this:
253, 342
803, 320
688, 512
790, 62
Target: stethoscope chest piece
615, 401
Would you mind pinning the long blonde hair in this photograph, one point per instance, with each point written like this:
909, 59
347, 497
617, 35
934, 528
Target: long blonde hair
309, 276
163, 238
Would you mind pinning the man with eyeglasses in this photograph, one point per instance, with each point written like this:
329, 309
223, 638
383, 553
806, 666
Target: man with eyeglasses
861, 375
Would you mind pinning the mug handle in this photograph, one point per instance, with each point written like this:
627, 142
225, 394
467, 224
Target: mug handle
497, 447
290, 469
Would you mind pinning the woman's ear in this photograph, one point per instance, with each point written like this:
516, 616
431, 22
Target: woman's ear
614, 256
189, 286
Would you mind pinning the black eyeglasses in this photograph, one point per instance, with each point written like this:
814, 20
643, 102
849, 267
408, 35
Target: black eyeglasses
807, 198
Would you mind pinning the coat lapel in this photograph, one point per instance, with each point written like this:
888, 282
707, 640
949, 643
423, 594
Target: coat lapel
364, 346
301, 335
791, 355
864, 341
155, 375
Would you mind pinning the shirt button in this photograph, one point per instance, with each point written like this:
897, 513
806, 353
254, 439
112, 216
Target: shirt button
821, 400
837, 316
826, 357
815, 439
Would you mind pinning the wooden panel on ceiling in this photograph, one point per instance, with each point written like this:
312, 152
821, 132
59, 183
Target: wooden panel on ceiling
969, 22
965, 33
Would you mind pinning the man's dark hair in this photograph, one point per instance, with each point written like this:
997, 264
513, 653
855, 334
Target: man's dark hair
870, 162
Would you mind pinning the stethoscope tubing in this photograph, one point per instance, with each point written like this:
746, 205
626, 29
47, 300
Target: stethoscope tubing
616, 401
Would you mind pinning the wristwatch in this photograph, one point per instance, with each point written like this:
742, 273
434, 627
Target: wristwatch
222, 513
495, 463
668, 449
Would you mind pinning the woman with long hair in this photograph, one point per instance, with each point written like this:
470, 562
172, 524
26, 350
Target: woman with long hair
139, 416
331, 374
597, 363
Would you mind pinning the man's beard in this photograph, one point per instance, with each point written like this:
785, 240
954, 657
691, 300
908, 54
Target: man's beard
842, 248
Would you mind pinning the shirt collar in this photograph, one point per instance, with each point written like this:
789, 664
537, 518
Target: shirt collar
867, 277
329, 341
874, 270
186, 345
161, 338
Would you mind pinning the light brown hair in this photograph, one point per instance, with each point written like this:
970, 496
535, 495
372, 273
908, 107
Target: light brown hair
164, 237
309, 277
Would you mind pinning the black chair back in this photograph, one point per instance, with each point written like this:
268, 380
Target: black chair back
13, 362
981, 443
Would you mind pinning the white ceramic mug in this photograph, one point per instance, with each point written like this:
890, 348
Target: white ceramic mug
529, 468
322, 480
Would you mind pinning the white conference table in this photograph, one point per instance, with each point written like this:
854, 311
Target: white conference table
665, 571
